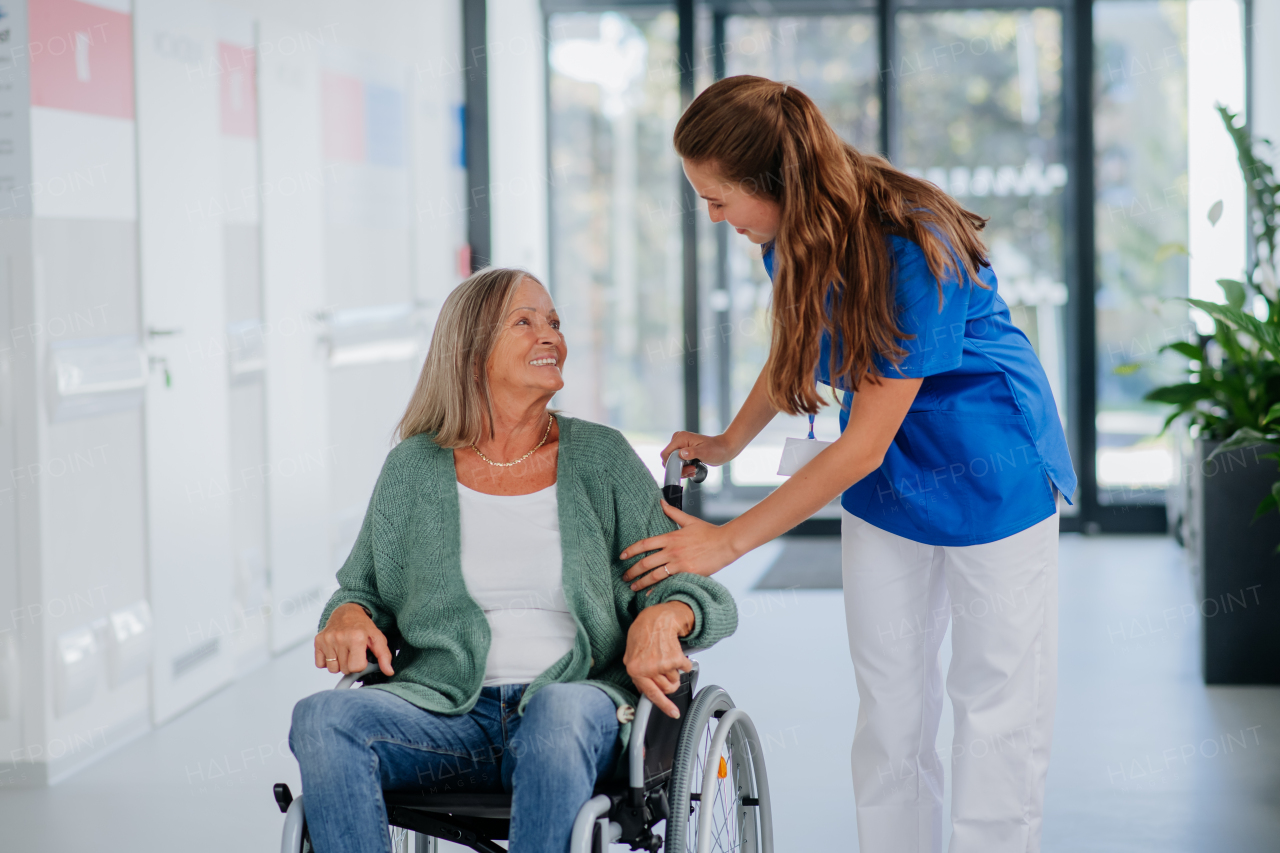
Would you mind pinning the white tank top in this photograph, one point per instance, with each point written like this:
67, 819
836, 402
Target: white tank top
511, 563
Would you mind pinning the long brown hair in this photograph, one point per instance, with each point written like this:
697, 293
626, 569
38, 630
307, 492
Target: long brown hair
837, 207
452, 398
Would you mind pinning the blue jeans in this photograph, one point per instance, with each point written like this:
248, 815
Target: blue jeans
351, 744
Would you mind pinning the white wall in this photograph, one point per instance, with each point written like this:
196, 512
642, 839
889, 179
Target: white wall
183, 310
519, 182
96, 510
374, 244
76, 482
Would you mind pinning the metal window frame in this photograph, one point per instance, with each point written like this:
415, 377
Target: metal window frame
1092, 516
475, 130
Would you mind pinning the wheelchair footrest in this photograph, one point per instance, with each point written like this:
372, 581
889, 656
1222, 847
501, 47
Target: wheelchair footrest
476, 833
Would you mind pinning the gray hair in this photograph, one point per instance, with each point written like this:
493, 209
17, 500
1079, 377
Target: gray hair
453, 389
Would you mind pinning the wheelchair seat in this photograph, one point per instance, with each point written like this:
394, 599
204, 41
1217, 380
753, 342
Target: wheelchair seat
669, 763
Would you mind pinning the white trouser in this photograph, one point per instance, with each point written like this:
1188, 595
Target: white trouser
1002, 602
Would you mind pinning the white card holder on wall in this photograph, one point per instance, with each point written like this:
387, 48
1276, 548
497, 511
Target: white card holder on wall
76, 662
798, 452
374, 335
246, 356
128, 642
9, 679
95, 376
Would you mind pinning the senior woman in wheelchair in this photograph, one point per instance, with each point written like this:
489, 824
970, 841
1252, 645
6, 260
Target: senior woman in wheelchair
490, 552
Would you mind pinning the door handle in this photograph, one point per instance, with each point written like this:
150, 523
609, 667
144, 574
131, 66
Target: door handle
155, 361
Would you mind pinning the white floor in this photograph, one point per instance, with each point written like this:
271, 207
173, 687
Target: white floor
1145, 757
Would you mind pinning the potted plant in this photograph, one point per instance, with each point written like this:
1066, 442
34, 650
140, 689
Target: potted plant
1230, 404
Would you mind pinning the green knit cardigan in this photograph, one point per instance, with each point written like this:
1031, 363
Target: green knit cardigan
406, 569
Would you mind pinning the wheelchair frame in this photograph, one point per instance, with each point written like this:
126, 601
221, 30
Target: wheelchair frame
665, 757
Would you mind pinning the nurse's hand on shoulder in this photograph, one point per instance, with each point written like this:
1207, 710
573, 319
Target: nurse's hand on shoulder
698, 547
711, 449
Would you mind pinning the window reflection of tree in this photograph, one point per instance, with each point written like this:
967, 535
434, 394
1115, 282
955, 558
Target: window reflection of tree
615, 216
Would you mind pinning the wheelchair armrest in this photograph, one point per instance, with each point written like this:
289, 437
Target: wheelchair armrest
640, 726
394, 642
351, 678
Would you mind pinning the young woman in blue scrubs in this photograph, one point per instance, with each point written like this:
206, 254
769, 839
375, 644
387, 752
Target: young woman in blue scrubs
949, 465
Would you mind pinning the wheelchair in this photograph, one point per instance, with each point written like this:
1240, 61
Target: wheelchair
701, 776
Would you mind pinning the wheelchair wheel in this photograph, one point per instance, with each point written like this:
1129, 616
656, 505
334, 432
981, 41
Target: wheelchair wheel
732, 812
402, 841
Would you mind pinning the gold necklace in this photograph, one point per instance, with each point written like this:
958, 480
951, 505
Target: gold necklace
550, 420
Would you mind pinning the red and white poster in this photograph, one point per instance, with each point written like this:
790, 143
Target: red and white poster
83, 141
81, 57
238, 89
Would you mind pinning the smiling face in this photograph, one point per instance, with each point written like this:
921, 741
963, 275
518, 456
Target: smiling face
749, 213
530, 350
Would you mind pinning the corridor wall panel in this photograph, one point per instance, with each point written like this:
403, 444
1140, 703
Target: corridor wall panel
236, 67
225, 231
368, 264
294, 305
88, 475
440, 206
183, 310
68, 259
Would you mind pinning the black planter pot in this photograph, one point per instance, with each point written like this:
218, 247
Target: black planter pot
1237, 567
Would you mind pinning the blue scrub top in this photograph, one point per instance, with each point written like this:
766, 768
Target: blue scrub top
981, 449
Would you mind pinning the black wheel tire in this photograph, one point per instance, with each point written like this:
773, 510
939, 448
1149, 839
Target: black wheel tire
738, 831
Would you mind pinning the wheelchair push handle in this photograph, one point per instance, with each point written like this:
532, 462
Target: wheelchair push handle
672, 491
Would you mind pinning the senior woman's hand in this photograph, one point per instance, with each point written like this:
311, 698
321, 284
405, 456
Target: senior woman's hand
654, 659
341, 646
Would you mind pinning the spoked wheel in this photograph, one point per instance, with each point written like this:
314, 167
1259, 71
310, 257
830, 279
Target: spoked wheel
719, 795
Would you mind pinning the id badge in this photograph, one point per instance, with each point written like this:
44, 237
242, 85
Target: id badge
798, 452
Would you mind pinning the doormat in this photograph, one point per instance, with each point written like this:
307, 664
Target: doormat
806, 562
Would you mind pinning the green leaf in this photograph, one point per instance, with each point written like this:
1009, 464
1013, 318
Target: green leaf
1176, 395
1244, 437
1234, 291
1172, 417
1168, 250
1273, 414
1270, 502
1127, 369
1266, 335
1186, 348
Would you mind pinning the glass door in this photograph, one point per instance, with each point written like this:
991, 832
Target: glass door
974, 98
1163, 162
980, 106
834, 60
976, 106
616, 219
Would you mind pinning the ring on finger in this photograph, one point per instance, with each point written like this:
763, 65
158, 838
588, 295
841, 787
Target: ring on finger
330, 660
667, 570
